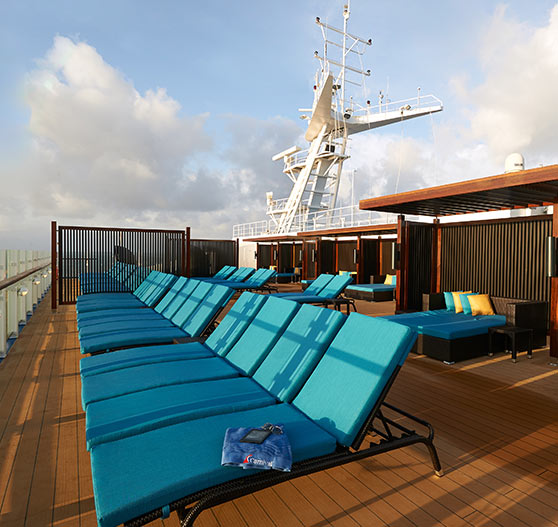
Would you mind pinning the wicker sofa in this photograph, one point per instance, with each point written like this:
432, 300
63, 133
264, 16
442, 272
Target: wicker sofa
452, 337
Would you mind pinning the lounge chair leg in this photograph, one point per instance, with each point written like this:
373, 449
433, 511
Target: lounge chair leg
434, 457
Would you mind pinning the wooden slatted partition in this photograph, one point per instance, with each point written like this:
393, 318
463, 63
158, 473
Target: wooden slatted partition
95, 250
502, 258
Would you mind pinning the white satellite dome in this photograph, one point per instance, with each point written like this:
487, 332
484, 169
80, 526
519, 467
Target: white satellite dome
514, 163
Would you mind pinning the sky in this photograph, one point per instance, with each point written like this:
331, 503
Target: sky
166, 114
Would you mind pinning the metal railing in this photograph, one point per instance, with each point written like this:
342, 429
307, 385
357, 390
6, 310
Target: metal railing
25, 277
339, 218
420, 102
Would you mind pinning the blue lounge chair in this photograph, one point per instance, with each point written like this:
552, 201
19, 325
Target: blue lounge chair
148, 293
190, 320
186, 301
222, 274
245, 356
313, 289
114, 280
238, 276
327, 293
142, 477
258, 281
219, 342
281, 374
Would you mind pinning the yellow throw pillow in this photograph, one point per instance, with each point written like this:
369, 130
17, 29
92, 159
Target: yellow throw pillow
457, 300
388, 280
481, 305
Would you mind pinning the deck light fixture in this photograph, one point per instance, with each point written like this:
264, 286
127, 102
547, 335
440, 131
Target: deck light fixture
22, 291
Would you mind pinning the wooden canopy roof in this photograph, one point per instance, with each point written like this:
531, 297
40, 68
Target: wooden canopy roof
528, 188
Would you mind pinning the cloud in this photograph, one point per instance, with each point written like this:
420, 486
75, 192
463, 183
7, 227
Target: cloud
511, 109
515, 105
104, 154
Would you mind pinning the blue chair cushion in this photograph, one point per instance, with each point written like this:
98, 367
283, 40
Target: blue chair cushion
147, 376
235, 322
112, 304
137, 474
139, 412
298, 350
127, 358
262, 334
347, 382
119, 326
131, 338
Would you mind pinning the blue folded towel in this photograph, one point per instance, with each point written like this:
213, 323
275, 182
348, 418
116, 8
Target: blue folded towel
273, 453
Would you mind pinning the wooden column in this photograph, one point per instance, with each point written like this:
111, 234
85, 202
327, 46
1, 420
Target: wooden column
359, 267
400, 273
435, 264
379, 256
188, 263
336, 267
405, 266
554, 298
54, 275
304, 262
237, 252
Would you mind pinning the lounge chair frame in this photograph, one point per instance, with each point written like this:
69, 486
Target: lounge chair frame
392, 435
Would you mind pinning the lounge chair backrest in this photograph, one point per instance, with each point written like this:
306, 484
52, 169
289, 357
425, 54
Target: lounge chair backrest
193, 302
260, 277
212, 303
153, 278
241, 274
223, 272
159, 289
318, 284
294, 356
137, 276
262, 334
235, 322
348, 381
255, 277
119, 271
336, 286
171, 295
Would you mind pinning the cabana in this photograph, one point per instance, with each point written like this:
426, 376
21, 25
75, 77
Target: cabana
505, 257
366, 252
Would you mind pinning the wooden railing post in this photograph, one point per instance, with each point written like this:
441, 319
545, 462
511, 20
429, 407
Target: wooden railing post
54, 277
188, 259
554, 298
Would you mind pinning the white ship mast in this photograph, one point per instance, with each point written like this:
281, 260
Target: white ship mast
335, 116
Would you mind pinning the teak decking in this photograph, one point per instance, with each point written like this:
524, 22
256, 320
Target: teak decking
496, 425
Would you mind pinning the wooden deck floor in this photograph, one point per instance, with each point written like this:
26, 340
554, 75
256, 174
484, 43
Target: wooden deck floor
496, 425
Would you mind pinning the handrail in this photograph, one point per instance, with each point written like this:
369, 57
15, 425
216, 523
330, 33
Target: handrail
14, 279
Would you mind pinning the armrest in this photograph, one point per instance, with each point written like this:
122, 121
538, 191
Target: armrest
431, 301
377, 278
532, 315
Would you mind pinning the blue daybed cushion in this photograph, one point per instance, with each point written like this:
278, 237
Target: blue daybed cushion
467, 328
137, 474
465, 302
371, 287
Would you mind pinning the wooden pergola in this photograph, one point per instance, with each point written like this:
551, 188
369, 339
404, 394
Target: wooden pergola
526, 189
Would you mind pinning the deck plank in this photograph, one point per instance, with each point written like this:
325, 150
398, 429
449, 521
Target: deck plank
495, 431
